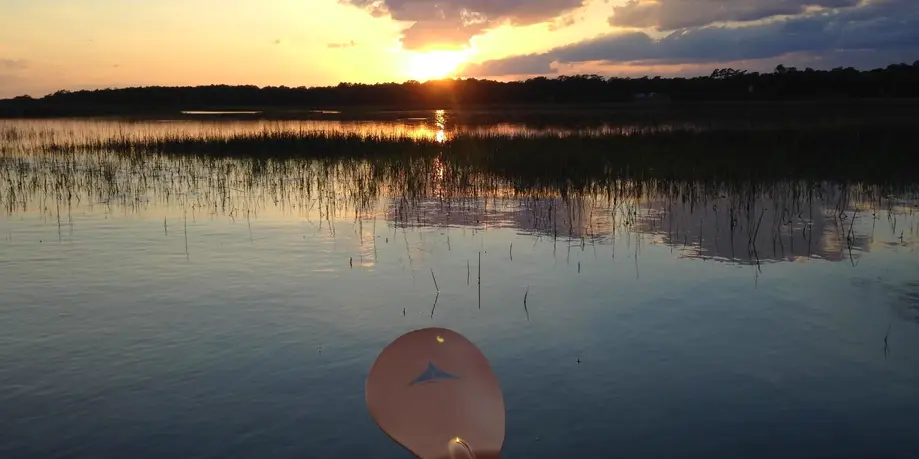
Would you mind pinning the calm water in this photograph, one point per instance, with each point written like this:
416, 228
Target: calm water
437, 125
160, 307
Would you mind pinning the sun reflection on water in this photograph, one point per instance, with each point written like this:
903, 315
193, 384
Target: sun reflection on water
440, 120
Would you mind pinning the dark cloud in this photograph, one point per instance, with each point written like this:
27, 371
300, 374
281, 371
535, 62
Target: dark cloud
13, 64
452, 23
349, 44
890, 27
679, 14
529, 64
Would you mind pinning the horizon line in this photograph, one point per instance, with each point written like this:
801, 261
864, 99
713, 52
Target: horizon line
453, 79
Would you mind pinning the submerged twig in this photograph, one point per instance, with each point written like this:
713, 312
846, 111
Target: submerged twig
525, 303
436, 297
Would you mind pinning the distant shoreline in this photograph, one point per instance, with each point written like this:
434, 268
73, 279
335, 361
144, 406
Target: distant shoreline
724, 89
10, 109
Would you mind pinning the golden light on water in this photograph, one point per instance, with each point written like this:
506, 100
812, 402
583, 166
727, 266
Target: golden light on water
440, 170
440, 120
440, 173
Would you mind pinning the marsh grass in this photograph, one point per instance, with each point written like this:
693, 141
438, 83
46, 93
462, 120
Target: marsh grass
763, 188
869, 152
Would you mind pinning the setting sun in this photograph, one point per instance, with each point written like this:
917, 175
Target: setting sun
435, 64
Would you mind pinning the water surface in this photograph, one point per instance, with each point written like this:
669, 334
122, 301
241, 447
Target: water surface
162, 306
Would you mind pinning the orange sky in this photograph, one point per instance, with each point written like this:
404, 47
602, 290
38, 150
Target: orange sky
46, 45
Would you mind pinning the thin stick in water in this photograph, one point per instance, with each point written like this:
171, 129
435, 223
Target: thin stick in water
437, 297
850, 238
435, 280
525, 295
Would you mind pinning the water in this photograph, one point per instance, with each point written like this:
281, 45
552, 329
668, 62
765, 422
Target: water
439, 125
189, 307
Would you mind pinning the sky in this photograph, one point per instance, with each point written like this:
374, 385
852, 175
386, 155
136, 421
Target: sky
48, 45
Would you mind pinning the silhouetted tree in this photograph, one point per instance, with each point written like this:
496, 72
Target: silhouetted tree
785, 83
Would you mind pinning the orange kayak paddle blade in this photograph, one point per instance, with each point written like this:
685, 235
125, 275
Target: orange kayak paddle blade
434, 392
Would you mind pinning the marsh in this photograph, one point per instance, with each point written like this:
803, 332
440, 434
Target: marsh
185, 287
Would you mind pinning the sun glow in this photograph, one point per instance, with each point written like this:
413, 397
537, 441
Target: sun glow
435, 64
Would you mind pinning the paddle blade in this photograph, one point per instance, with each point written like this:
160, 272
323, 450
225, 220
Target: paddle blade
433, 392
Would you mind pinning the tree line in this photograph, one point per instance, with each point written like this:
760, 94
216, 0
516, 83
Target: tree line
784, 83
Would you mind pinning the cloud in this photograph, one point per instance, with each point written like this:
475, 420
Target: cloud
450, 24
529, 64
349, 44
13, 64
890, 27
679, 14
563, 21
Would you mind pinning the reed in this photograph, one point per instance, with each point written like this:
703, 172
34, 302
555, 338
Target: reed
844, 152
411, 183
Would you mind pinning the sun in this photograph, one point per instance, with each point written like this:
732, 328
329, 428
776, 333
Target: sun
434, 65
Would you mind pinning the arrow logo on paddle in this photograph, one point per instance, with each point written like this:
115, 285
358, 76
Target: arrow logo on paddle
432, 374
